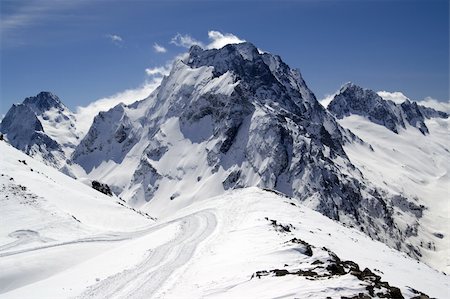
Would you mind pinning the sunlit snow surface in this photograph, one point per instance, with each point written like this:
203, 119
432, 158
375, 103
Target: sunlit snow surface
415, 165
210, 249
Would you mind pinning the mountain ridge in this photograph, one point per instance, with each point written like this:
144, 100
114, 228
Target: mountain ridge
353, 99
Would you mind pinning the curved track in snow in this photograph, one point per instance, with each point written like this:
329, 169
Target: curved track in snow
149, 276
107, 237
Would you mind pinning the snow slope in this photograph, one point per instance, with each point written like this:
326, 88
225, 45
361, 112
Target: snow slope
416, 166
244, 243
43, 208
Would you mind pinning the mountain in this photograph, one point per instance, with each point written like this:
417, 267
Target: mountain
243, 243
42, 126
235, 117
352, 99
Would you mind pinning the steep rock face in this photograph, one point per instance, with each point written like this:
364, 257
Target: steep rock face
353, 99
42, 127
43, 102
26, 133
111, 135
234, 117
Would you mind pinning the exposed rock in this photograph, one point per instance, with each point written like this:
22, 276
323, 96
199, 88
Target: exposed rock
103, 188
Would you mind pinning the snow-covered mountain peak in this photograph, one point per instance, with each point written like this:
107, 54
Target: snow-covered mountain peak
42, 126
348, 85
44, 101
353, 99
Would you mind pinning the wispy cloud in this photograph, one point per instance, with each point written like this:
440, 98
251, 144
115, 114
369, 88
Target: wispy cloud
116, 39
185, 41
396, 96
216, 40
158, 48
29, 13
436, 104
85, 115
158, 71
219, 40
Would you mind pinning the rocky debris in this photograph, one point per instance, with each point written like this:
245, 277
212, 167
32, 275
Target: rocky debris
439, 235
308, 248
136, 211
280, 227
103, 188
175, 195
76, 219
419, 295
18, 192
333, 267
359, 296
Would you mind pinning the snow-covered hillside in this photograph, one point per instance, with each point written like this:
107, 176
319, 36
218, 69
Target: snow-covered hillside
225, 119
43, 208
416, 166
246, 243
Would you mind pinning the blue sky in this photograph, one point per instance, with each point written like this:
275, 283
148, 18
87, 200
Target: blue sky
86, 50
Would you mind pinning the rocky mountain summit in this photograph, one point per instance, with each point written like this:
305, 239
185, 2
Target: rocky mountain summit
352, 99
41, 126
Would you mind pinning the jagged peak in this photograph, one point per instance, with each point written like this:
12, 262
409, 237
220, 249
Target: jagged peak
351, 87
245, 49
194, 49
43, 101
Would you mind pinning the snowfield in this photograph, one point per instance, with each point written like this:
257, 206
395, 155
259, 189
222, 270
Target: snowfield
418, 169
59, 239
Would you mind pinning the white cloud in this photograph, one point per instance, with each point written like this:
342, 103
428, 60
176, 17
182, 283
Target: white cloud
158, 48
185, 41
396, 96
117, 39
158, 71
219, 40
85, 115
435, 104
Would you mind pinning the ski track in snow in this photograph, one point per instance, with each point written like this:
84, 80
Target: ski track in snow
148, 277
